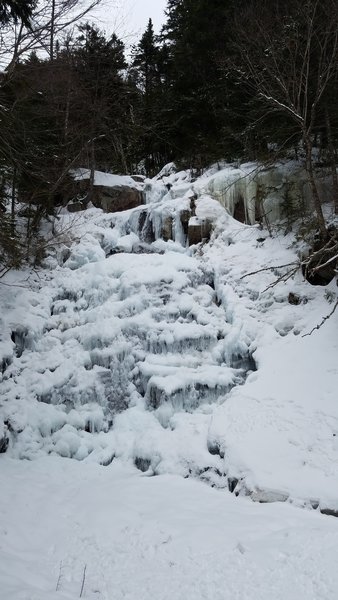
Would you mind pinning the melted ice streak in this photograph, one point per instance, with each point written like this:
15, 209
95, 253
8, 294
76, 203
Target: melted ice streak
123, 351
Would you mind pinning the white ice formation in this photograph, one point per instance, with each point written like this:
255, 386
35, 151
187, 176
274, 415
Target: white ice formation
130, 344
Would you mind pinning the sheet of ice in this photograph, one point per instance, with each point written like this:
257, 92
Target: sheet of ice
79, 352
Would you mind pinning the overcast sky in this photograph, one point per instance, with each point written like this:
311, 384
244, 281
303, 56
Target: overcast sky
130, 17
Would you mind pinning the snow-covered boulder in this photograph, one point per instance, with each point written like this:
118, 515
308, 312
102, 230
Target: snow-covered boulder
117, 198
111, 193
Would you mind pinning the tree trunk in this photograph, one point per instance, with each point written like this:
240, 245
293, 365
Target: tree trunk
313, 186
332, 155
51, 39
13, 201
92, 171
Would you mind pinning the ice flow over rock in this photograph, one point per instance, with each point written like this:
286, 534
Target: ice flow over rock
119, 345
132, 345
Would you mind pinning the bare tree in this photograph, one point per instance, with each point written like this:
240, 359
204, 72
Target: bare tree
49, 20
289, 57
35, 149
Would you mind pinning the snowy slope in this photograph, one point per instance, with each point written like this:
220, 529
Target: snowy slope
131, 355
279, 432
146, 352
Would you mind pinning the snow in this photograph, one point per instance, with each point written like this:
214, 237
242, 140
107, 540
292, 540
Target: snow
278, 432
129, 351
142, 537
104, 179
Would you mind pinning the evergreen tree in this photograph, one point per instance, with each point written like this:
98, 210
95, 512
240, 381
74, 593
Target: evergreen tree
196, 35
102, 105
147, 72
16, 10
11, 249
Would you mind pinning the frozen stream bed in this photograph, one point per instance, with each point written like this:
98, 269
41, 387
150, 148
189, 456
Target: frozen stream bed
128, 357
116, 356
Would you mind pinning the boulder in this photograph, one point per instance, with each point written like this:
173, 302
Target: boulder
110, 192
4, 440
76, 206
116, 198
198, 230
138, 178
167, 228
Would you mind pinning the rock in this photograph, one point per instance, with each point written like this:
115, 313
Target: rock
167, 228
185, 216
232, 483
293, 299
4, 363
76, 206
214, 448
105, 462
117, 198
138, 178
142, 464
321, 266
4, 439
239, 210
198, 230
331, 512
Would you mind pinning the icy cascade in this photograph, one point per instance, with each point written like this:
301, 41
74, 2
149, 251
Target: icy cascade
253, 192
178, 202
177, 209
117, 334
133, 347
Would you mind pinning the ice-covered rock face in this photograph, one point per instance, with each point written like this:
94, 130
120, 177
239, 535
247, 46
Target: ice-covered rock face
181, 209
129, 325
130, 344
130, 335
254, 193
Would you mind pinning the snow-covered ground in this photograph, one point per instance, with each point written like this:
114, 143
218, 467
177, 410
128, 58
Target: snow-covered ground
145, 355
126, 536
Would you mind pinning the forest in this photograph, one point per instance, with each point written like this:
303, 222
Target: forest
244, 80
169, 301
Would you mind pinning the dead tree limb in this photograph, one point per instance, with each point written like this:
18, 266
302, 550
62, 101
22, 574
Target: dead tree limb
323, 320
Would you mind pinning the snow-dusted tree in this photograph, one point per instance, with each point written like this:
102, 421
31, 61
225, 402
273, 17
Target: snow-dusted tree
147, 73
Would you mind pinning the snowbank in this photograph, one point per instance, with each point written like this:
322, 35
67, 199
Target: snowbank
68, 526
